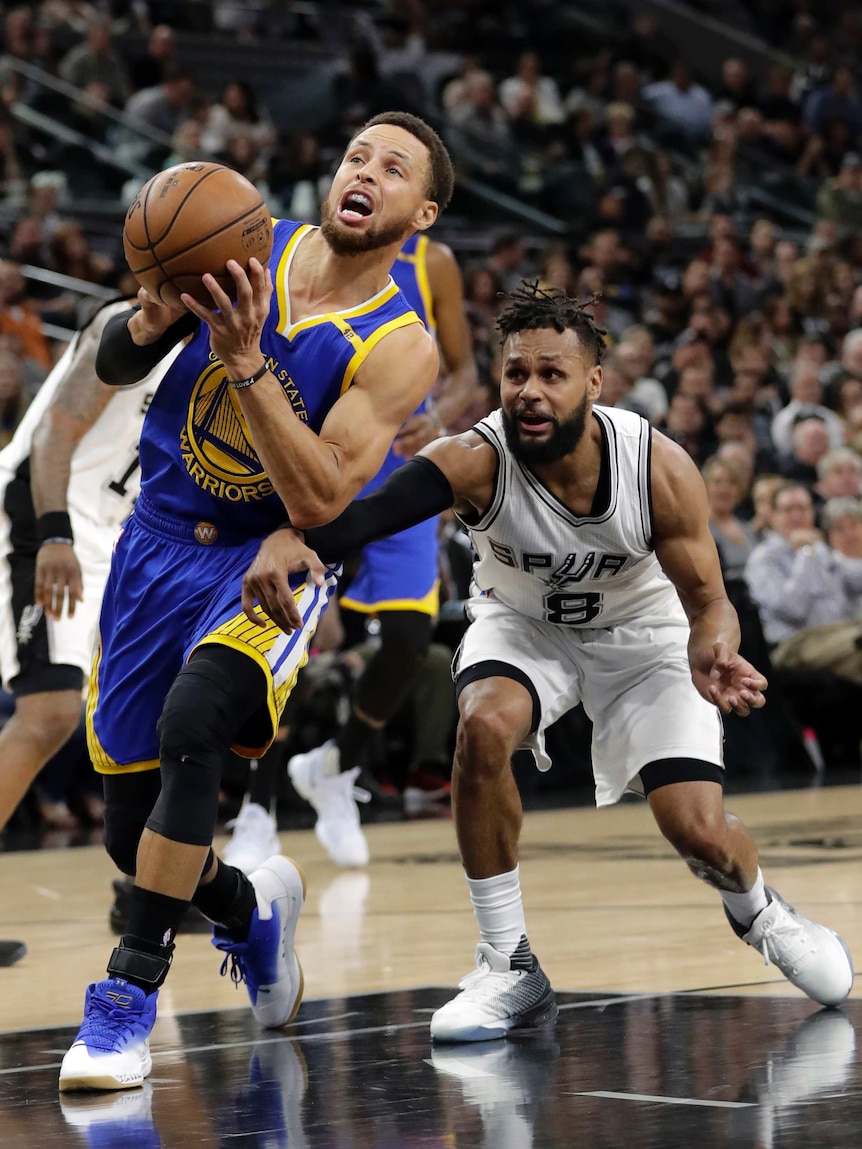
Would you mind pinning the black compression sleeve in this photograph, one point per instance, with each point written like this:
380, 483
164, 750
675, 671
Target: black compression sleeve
120, 361
415, 492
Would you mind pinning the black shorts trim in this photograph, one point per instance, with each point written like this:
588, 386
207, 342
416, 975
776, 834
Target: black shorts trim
493, 668
666, 771
47, 678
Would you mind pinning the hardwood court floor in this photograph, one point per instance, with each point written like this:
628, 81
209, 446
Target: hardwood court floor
671, 1032
609, 908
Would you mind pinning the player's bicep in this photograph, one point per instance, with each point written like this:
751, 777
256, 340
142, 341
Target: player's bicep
388, 388
683, 543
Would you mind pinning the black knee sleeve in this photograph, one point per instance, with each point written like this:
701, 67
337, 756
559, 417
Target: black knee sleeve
129, 800
210, 701
405, 638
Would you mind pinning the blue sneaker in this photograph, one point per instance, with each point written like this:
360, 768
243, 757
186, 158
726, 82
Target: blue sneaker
266, 960
112, 1049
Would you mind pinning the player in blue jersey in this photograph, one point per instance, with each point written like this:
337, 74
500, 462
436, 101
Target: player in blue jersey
397, 581
280, 407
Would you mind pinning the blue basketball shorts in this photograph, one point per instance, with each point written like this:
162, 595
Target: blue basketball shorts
398, 573
168, 594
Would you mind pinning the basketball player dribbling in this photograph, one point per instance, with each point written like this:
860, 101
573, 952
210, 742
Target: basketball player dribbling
596, 581
281, 407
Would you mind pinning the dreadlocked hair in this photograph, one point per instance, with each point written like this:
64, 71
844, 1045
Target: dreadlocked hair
531, 307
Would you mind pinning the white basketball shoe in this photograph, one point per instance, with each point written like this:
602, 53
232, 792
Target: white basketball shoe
334, 795
495, 1000
266, 961
254, 838
810, 956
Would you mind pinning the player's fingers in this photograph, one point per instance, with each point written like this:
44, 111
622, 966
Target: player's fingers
316, 569
197, 309
288, 618
244, 286
247, 601
220, 298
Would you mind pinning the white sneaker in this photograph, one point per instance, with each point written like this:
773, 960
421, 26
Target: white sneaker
334, 796
810, 956
266, 961
254, 838
495, 1000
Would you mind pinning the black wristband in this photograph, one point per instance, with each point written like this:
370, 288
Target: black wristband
54, 525
238, 384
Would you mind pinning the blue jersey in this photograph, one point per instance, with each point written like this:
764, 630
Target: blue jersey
410, 272
197, 458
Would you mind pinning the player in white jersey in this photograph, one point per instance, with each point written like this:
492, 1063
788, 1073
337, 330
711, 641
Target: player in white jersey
597, 581
68, 479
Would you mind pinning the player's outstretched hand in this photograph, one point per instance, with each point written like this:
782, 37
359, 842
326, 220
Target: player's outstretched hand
266, 582
235, 329
724, 678
58, 579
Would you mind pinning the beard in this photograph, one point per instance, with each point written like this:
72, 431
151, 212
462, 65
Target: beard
564, 437
346, 242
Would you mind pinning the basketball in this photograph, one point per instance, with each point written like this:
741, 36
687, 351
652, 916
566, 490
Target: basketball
189, 220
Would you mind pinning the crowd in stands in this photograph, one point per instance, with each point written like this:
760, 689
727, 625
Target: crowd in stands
733, 318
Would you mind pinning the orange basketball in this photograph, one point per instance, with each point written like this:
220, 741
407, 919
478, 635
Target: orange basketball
189, 220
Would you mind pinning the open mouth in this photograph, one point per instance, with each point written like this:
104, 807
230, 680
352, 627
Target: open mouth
354, 206
533, 423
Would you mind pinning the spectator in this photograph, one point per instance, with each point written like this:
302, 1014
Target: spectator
237, 113
806, 399
507, 258
763, 490
158, 60
480, 136
683, 108
840, 198
806, 599
13, 396
20, 318
810, 442
839, 475
736, 84
531, 97
686, 423
162, 109
837, 102
94, 62
726, 487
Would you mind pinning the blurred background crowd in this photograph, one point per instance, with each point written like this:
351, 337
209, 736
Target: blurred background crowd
697, 166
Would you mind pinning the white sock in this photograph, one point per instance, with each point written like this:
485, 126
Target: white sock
499, 909
744, 908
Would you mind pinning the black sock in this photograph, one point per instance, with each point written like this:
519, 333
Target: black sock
154, 918
229, 899
352, 741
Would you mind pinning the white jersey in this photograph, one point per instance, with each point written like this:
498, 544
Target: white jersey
599, 570
104, 479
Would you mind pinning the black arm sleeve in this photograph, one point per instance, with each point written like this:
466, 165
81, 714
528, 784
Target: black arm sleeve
415, 492
119, 360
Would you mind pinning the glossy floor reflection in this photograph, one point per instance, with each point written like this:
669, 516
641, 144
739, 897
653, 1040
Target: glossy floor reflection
360, 1073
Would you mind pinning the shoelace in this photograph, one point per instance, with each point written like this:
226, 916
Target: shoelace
357, 793
103, 1020
485, 976
791, 933
233, 963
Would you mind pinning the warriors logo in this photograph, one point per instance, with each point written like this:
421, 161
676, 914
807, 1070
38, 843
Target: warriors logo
216, 443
